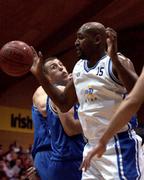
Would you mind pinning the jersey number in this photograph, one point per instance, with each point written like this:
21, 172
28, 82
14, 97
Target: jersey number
100, 71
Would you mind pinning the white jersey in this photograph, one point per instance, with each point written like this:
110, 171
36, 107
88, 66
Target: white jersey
99, 94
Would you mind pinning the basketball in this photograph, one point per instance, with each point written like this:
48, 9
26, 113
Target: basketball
16, 58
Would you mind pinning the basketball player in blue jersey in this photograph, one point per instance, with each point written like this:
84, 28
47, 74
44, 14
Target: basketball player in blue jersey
67, 141
58, 143
100, 80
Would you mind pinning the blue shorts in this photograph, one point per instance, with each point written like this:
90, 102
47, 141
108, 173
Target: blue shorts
41, 163
64, 170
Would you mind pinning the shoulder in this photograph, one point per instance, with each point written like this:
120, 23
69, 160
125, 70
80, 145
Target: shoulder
40, 99
126, 62
80, 62
38, 92
79, 66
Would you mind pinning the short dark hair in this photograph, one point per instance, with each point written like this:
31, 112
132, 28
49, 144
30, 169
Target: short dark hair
47, 60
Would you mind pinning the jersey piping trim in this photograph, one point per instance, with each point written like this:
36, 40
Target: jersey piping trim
87, 69
52, 109
121, 155
113, 77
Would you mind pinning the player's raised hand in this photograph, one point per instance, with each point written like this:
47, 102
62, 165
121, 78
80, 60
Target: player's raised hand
112, 43
98, 151
37, 67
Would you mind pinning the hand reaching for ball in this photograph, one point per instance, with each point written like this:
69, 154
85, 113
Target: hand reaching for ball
37, 67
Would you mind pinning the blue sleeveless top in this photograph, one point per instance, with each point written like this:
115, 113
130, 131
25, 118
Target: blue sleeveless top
41, 132
63, 146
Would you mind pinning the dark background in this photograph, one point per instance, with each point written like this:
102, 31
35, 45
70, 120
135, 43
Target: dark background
51, 26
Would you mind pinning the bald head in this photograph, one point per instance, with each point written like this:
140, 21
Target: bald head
91, 40
93, 28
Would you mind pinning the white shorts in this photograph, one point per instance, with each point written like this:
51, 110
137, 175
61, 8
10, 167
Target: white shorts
123, 159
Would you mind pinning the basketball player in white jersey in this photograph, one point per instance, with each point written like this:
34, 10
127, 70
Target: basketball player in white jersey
99, 78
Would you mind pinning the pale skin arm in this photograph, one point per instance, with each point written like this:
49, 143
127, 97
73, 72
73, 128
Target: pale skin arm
70, 125
124, 113
39, 100
128, 107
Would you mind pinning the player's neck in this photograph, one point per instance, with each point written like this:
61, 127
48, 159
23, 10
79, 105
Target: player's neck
95, 58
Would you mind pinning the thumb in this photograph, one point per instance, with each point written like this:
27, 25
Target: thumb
41, 56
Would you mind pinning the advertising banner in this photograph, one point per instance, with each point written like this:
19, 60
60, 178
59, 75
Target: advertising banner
15, 119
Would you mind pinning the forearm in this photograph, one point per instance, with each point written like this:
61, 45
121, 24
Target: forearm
53, 92
140, 115
72, 127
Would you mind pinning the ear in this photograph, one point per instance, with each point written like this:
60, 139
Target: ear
98, 39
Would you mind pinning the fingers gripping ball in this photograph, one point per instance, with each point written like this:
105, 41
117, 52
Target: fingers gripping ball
16, 58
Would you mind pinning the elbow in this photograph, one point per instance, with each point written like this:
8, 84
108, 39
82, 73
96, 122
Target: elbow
69, 132
72, 133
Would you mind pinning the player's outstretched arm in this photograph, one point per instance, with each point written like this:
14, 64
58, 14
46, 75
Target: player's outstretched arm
127, 109
122, 66
96, 151
64, 100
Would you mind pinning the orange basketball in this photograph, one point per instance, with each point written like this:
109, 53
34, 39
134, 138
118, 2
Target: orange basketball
16, 58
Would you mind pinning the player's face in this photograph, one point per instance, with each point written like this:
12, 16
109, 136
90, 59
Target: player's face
57, 72
84, 44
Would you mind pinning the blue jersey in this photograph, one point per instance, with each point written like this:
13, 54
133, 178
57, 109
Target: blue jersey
41, 132
63, 146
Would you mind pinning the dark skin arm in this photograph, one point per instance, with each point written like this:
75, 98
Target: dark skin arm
124, 70
140, 116
122, 66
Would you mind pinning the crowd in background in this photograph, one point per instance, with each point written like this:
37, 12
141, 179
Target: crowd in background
15, 162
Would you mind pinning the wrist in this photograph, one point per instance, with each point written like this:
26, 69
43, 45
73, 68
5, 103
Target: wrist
115, 58
103, 141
